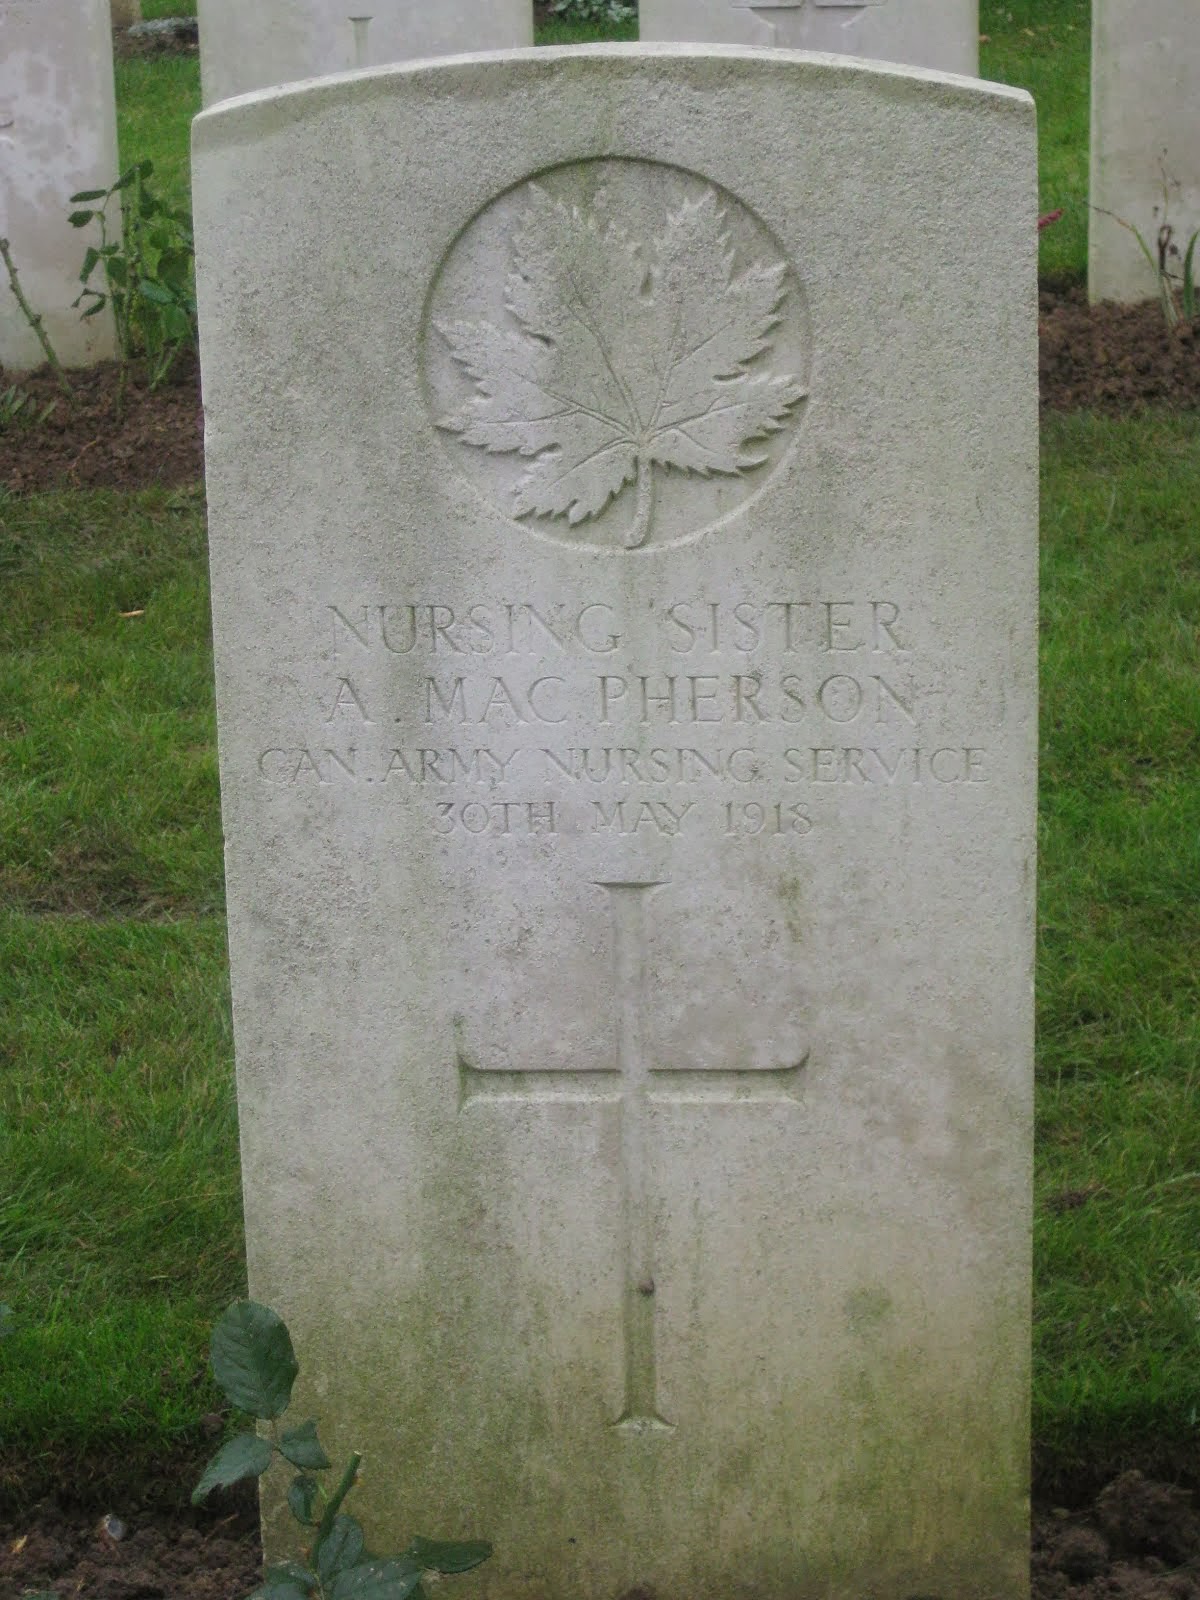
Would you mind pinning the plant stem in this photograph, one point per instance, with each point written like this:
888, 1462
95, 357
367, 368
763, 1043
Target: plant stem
34, 319
639, 530
331, 1510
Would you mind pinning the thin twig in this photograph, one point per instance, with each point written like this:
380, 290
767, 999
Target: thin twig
34, 319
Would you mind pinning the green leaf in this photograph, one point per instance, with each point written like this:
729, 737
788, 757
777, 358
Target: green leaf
89, 194
94, 311
116, 269
301, 1447
246, 1456
175, 267
292, 1573
341, 1547
253, 1360
155, 293
89, 261
302, 1498
439, 1555
80, 219
141, 170
377, 1580
177, 326
281, 1588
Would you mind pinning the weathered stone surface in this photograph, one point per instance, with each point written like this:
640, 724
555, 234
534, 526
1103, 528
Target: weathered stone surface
58, 135
942, 34
257, 46
622, 485
1145, 161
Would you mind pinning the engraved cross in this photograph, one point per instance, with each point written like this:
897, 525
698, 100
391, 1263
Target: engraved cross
633, 1083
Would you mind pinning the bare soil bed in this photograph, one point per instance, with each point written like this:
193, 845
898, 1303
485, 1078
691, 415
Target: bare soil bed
1105, 358
100, 439
1139, 1540
1114, 358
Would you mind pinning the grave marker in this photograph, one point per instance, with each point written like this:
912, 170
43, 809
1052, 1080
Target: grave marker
942, 34
58, 135
1145, 147
625, 632
270, 42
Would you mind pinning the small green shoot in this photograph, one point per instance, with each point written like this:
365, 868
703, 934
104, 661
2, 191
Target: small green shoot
1176, 289
254, 1363
18, 409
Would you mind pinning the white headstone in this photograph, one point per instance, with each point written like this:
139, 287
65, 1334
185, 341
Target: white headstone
623, 514
1145, 164
942, 34
58, 135
257, 46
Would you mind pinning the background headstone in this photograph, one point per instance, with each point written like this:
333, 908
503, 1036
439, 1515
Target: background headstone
942, 34
58, 135
270, 42
1145, 161
623, 521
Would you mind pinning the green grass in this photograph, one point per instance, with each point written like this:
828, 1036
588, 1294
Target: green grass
157, 97
108, 785
1118, 1323
120, 1224
119, 1221
555, 31
1045, 46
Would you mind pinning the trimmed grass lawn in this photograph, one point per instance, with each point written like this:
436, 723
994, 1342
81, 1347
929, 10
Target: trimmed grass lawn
119, 1208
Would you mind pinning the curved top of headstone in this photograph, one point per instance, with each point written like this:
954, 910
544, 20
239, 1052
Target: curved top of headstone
367, 82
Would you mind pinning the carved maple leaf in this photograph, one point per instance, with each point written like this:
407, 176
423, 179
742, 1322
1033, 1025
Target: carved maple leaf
620, 359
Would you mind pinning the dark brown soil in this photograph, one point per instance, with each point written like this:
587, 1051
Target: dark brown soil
1114, 358
92, 442
1139, 1541
1107, 358
188, 1557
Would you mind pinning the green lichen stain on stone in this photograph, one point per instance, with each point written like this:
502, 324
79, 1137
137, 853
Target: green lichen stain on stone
867, 1308
935, 1479
791, 899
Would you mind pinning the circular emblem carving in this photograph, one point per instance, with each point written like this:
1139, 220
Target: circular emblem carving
616, 353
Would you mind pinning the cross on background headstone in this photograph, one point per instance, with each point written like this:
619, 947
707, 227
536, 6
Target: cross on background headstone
942, 34
633, 1083
766, 11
